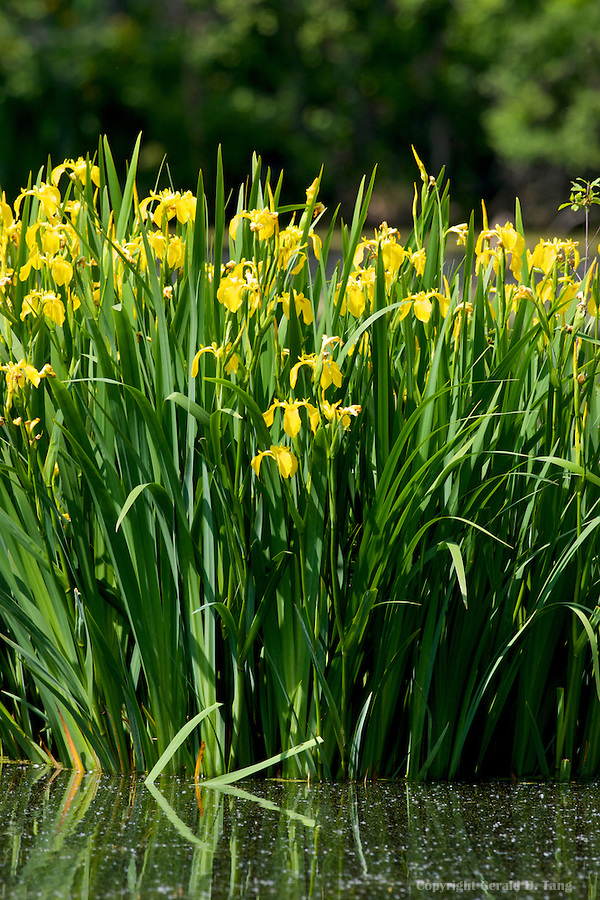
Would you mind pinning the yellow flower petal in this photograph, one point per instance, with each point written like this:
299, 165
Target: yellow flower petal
54, 308
196, 360
270, 413
304, 308
305, 360
404, 309
418, 261
314, 417
233, 226
175, 253
286, 461
422, 307
291, 419
330, 374
256, 461
62, 270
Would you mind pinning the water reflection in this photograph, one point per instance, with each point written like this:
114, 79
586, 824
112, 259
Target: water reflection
64, 835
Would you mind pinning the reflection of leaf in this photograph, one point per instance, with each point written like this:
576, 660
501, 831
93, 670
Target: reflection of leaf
174, 819
356, 829
266, 804
77, 800
74, 784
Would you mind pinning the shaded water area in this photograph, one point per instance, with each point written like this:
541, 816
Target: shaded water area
102, 837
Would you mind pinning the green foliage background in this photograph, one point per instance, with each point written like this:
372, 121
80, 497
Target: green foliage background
503, 92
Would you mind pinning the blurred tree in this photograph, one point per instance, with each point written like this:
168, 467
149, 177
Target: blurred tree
72, 69
498, 89
538, 65
347, 83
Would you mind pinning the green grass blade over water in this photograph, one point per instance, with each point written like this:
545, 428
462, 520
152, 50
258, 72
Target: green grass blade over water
179, 738
249, 771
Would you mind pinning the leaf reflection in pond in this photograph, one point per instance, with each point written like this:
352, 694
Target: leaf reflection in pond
173, 818
64, 835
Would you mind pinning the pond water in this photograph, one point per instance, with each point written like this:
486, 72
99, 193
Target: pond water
103, 837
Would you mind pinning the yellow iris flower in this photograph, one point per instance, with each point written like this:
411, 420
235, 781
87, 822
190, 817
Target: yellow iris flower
262, 221
18, 374
170, 204
6, 281
393, 253
547, 253
462, 313
233, 360
158, 242
47, 194
6, 213
60, 268
359, 288
461, 231
78, 169
513, 296
36, 261
291, 417
290, 248
508, 240
330, 371
354, 297
50, 237
241, 279
46, 302
301, 303
312, 189
175, 252
422, 306
418, 260
231, 288
283, 456
29, 425
333, 411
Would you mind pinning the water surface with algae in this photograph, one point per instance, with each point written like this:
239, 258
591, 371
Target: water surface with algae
64, 835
